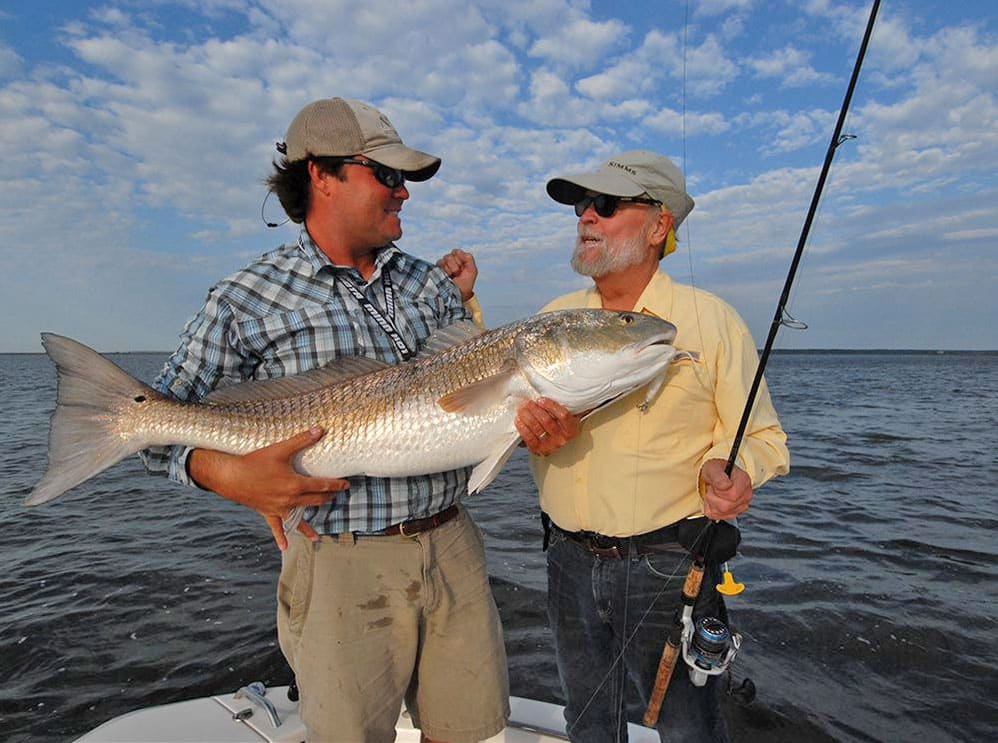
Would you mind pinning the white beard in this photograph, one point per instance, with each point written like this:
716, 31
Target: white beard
607, 255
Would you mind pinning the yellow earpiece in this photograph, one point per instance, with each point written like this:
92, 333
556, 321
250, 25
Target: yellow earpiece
670, 243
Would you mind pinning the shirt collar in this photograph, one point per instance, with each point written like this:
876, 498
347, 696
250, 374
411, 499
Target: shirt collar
656, 299
319, 261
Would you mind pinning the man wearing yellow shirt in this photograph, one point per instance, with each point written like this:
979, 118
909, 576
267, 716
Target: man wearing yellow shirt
619, 487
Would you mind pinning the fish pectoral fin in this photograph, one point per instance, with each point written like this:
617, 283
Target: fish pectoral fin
486, 470
336, 372
479, 396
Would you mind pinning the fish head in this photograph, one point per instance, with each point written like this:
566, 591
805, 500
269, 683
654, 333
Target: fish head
583, 358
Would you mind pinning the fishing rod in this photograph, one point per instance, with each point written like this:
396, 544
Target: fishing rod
712, 637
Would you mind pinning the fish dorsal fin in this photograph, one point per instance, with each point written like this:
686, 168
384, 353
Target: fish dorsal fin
445, 338
337, 372
482, 395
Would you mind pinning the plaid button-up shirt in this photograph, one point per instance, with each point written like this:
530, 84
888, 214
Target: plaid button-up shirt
289, 312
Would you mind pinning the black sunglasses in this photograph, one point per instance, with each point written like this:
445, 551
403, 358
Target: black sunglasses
389, 177
606, 205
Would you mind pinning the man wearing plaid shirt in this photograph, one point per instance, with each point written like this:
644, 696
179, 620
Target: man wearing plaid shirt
367, 616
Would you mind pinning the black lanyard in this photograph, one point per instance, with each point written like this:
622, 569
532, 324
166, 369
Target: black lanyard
383, 322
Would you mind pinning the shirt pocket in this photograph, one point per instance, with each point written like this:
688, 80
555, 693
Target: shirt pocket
687, 387
678, 421
284, 343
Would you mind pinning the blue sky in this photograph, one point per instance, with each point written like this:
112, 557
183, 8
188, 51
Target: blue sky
134, 136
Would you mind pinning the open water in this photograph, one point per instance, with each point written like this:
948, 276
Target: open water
872, 582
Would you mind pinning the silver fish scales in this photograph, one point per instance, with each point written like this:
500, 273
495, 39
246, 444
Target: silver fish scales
451, 407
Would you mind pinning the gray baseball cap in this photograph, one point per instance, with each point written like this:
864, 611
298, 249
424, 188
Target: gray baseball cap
338, 127
629, 174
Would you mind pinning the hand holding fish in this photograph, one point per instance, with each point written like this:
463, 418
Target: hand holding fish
724, 497
460, 266
266, 481
545, 425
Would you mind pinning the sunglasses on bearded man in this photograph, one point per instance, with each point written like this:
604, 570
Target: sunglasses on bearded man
606, 205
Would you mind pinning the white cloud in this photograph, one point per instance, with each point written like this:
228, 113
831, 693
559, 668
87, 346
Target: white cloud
892, 46
580, 43
10, 62
708, 8
708, 68
989, 233
791, 66
137, 147
658, 59
693, 123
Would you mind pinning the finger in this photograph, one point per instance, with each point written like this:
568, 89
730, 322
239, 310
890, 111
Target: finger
719, 481
320, 486
561, 422
532, 436
277, 529
554, 424
721, 508
726, 496
529, 418
713, 512
308, 532
554, 411
538, 429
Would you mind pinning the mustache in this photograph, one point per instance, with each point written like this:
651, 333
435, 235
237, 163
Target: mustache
585, 234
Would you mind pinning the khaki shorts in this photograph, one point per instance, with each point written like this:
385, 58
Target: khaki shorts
366, 622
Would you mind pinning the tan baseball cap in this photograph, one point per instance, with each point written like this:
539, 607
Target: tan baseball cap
338, 127
629, 174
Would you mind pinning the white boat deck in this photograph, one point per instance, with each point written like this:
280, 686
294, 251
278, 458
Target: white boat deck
231, 719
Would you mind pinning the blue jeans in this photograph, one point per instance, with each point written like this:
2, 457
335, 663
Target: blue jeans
595, 605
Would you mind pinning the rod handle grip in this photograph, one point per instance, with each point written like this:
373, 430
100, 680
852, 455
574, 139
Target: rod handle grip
665, 668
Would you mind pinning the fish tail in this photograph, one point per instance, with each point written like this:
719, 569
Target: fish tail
84, 438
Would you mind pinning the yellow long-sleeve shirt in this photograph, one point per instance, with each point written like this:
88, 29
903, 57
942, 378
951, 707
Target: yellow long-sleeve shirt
630, 472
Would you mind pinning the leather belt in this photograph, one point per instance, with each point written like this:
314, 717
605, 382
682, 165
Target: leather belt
617, 548
412, 527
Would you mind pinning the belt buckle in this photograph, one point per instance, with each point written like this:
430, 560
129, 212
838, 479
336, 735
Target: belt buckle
612, 551
402, 531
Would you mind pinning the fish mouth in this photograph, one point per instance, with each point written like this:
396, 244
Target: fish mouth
659, 339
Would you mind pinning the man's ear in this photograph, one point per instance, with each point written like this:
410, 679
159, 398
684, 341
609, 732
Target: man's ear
319, 178
661, 229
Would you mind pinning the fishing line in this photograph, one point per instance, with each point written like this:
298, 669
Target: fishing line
617, 696
686, 224
680, 566
685, 560
669, 656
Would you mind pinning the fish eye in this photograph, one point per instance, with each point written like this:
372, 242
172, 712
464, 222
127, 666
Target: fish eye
627, 319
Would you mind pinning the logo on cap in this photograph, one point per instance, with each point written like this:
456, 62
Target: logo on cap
387, 126
621, 166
